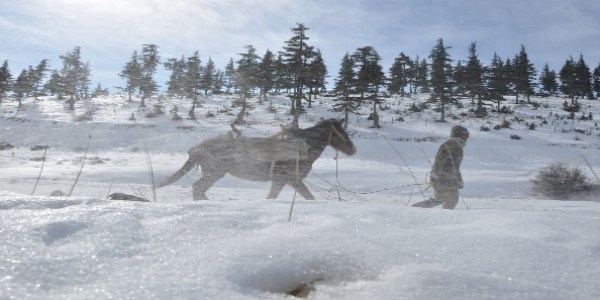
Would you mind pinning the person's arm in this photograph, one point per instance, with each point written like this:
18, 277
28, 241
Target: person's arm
457, 158
438, 163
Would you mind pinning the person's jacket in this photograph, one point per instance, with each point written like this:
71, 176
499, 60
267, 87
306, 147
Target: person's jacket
446, 167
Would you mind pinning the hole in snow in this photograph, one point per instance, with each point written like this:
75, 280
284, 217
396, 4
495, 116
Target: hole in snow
299, 276
303, 290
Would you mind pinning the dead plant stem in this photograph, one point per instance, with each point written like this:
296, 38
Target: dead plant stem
81, 168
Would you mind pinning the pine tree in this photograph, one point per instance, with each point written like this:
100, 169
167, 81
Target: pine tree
411, 74
583, 79
218, 83
74, 77
229, 77
549, 85
247, 78
99, 91
344, 87
150, 61
193, 76
460, 77
22, 87
5, 80
473, 77
317, 71
441, 77
399, 75
32, 81
509, 77
132, 73
208, 76
282, 76
596, 84
297, 56
567, 80
84, 81
192, 81
176, 82
266, 75
421, 76
54, 85
247, 71
495, 81
369, 77
524, 75
37, 76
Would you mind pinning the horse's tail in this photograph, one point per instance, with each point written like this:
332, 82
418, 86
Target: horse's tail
187, 166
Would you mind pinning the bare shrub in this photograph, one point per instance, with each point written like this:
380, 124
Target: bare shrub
87, 116
418, 107
505, 110
561, 182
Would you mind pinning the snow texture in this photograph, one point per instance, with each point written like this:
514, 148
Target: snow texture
359, 240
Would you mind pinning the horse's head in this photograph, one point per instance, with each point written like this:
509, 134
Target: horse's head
338, 137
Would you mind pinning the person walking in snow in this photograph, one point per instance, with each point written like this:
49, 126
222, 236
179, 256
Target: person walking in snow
445, 176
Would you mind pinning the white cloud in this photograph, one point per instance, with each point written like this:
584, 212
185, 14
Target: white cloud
109, 31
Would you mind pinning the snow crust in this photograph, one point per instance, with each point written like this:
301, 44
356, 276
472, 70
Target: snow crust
359, 240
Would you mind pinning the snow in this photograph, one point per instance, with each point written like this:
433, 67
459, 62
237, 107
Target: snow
359, 240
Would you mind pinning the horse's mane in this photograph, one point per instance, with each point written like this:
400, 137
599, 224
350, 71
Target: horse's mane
287, 131
321, 124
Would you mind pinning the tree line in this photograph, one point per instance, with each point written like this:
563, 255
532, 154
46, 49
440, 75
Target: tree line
299, 70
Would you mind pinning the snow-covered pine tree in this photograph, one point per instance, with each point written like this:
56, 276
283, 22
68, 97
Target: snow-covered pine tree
5, 80
399, 74
548, 83
442, 85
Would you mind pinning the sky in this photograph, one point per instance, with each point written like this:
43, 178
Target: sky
108, 31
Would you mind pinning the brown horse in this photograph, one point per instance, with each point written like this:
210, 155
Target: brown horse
264, 159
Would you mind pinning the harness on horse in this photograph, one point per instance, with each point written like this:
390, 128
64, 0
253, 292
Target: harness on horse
279, 147
282, 146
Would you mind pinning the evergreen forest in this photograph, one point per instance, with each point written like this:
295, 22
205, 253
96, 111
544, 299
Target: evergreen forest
299, 71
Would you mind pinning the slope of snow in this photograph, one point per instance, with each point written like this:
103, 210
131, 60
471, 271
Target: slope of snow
359, 240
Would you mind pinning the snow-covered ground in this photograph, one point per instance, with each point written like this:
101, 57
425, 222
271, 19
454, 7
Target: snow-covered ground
359, 240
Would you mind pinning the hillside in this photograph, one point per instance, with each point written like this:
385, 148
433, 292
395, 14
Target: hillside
358, 240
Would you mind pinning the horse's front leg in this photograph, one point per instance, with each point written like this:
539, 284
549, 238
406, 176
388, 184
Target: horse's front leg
276, 187
303, 190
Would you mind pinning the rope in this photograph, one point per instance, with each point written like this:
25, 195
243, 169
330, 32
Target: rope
369, 192
296, 187
403, 161
326, 192
339, 186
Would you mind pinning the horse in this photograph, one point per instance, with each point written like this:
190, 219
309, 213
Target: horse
264, 159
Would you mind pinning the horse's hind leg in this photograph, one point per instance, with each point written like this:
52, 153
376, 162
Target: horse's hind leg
276, 188
202, 185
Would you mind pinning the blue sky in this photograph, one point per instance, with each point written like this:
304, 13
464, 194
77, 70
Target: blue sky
108, 31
